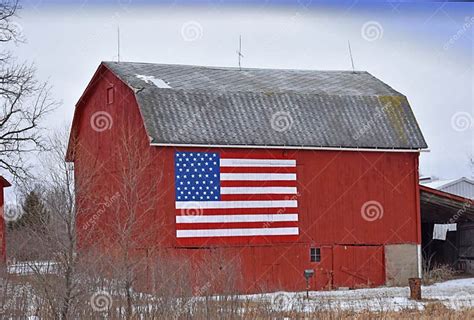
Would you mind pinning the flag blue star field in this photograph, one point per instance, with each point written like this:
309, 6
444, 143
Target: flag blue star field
235, 199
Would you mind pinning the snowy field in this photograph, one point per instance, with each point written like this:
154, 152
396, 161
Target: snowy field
457, 295
454, 294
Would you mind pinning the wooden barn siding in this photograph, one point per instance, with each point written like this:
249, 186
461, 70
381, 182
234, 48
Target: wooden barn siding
333, 185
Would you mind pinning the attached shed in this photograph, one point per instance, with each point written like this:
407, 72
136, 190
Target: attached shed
296, 170
447, 228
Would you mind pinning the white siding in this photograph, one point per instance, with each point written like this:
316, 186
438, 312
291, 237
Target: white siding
462, 188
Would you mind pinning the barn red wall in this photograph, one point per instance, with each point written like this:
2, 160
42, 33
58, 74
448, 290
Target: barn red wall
333, 187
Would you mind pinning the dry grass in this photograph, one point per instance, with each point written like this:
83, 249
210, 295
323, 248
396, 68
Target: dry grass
439, 273
432, 312
19, 300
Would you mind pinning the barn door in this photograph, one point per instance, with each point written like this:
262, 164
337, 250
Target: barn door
358, 266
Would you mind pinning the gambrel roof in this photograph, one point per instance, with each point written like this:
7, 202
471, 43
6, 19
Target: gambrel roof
194, 105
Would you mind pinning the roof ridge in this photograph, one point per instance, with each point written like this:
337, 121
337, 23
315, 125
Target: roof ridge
237, 68
270, 92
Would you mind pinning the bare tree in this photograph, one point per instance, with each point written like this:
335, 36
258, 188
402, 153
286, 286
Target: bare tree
133, 188
24, 101
471, 165
58, 274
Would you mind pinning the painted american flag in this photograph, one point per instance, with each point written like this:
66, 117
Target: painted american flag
230, 198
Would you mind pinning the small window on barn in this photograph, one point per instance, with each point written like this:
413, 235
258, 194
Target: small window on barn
315, 254
110, 95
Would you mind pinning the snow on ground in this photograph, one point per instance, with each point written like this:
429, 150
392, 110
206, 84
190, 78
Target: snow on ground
32, 267
454, 294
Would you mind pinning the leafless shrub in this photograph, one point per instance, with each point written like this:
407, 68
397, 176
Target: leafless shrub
438, 273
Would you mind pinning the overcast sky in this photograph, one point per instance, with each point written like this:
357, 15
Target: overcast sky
425, 51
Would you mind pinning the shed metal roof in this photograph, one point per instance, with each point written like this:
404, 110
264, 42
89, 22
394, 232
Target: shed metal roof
442, 184
194, 105
442, 207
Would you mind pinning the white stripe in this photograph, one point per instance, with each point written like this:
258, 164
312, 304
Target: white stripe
257, 176
237, 218
236, 204
236, 232
258, 190
257, 163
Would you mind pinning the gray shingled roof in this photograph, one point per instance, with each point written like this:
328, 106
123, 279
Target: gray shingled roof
262, 107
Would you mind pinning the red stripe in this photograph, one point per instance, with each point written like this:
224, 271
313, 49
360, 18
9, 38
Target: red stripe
257, 170
229, 183
199, 242
256, 197
211, 212
235, 225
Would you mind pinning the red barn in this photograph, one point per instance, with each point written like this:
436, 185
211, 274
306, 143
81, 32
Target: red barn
280, 170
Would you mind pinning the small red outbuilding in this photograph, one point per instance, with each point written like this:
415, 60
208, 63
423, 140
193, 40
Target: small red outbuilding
278, 171
3, 252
